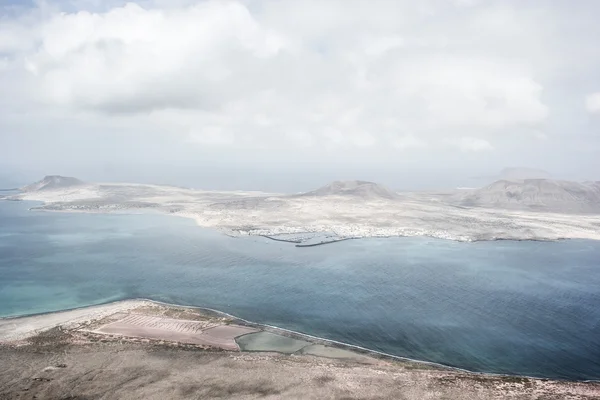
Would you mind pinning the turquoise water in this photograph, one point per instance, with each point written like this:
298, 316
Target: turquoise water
529, 308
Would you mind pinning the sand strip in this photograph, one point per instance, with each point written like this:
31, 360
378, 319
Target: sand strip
20, 328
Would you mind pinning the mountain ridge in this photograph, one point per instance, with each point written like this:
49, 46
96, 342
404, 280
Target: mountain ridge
354, 188
52, 182
535, 194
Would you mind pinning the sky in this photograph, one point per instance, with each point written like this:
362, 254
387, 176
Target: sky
287, 95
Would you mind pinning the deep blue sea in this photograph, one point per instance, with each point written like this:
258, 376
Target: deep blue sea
530, 308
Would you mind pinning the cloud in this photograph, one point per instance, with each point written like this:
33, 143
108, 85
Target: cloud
257, 74
211, 135
592, 103
466, 3
358, 77
132, 59
408, 141
468, 144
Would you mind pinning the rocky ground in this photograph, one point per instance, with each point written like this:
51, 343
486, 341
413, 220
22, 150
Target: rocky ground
50, 367
66, 356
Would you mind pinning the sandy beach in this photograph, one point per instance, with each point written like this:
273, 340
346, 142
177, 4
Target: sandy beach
139, 349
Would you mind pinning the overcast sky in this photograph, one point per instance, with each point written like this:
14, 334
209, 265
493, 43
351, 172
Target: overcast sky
286, 94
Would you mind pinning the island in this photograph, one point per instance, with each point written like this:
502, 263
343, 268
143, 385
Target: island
528, 209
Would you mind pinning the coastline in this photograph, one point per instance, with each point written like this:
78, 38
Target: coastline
231, 232
145, 349
271, 215
299, 243
300, 335
235, 233
327, 242
30, 325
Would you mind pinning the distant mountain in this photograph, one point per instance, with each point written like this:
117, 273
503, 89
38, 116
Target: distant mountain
535, 194
52, 182
360, 189
520, 173
514, 174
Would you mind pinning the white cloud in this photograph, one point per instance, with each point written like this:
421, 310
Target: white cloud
134, 59
463, 91
466, 3
408, 141
468, 144
211, 135
299, 138
284, 74
592, 103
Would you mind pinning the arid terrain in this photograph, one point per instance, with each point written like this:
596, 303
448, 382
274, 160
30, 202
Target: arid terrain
523, 210
90, 354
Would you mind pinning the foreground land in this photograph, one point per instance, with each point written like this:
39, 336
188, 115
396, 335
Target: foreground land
144, 350
339, 211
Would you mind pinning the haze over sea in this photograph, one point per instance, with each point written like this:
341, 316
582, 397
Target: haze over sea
530, 308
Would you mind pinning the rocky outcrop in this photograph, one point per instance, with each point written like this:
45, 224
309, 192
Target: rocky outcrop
52, 182
536, 194
357, 189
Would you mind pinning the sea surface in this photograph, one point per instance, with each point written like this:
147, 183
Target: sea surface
529, 308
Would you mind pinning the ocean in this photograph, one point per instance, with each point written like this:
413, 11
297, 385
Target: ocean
527, 308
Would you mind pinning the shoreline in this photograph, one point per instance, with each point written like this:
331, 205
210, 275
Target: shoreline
86, 313
231, 232
299, 243
328, 242
297, 334
271, 232
272, 214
